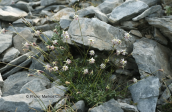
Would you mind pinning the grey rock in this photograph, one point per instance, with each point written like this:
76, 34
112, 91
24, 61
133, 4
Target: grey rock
92, 11
20, 22
7, 2
55, 83
72, 2
11, 14
24, 102
35, 85
52, 2
11, 54
136, 33
159, 37
61, 13
110, 106
20, 39
150, 56
151, 2
5, 42
130, 24
101, 32
16, 61
23, 6
47, 35
14, 83
65, 22
79, 106
1, 82
55, 8
46, 13
60, 103
165, 95
108, 5
145, 93
128, 108
125, 100
164, 24
127, 10
148, 12
46, 27
17, 29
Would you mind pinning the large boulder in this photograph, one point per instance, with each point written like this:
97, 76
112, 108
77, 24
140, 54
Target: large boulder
145, 93
101, 32
127, 10
9, 13
150, 57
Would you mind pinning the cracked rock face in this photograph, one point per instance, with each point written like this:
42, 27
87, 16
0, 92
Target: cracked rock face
151, 56
101, 32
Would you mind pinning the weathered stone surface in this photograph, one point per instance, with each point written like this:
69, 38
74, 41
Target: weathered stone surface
128, 108
24, 102
11, 14
165, 95
167, 2
65, 22
61, 13
79, 106
159, 37
92, 11
145, 93
148, 12
164, 24
11, 54
5, 42
52, 2
101, 32
46, 27
1, 82
136, 33
23, 6
20, 39
127, 10
47, 35
108, 5
130, 24
16, 61
17, 29
14, 83
150, 56
110, 106
150, 2
35, 85
19, 22
60, 103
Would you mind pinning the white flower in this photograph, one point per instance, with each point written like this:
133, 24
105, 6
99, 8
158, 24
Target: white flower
66, 36
134, 80
65, 68
52, 47
26, 45
91, 60
37, 33
47, 67
55, 68
54, 30
76, 17
123, 62
65, 33
54, 63
68, 61
102, 66
116, 41
123, 52
55, 41
85, 71
92, 52
91, 41
3, 30
127, 36
48, 47
118, 52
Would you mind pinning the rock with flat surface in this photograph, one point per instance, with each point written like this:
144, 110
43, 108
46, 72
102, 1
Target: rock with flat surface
159, 37
24, 102
151, 56
145, 93
9, 13
110, 106
14, 83
11, 54
150, 2
108, 5
5, 42
164, 24
53, 2
128, 108
148, 12
127, 10
101, 32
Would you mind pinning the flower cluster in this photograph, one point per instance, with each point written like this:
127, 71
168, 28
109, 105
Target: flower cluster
68, 61
37, 33
85, 71
102, 66
123, 62
76, 17
65, 35
127, 36
50, 47
92, 60
65, 68
3, 30
123, 52
116, 42
55, 42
